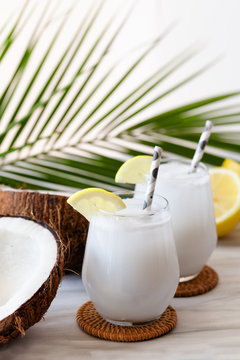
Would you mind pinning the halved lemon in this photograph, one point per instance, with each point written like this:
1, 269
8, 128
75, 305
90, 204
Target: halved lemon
89, 201
134, 170
232, 165
226, 198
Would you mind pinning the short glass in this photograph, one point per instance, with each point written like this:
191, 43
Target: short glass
191, 206
130, 267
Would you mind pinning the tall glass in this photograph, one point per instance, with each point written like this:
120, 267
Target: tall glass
191, 205
130, 267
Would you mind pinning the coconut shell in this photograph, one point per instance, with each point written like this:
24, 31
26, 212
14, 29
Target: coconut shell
54, 211
33, 310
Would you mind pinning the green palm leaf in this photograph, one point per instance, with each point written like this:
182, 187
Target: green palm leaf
76, 132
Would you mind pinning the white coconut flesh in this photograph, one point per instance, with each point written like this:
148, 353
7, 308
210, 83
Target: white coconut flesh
28, 253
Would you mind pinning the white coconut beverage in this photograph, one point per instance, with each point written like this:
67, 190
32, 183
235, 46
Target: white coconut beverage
191, 207
130, 267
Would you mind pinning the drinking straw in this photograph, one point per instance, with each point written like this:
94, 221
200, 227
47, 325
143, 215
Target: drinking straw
201, 146
153, 177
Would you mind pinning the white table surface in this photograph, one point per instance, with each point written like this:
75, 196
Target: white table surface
208, 325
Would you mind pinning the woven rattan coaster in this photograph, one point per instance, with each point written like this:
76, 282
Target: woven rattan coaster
204, 282
92, 323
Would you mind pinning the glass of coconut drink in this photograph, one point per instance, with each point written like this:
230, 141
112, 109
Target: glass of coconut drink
186, 185
192, 210
130, 267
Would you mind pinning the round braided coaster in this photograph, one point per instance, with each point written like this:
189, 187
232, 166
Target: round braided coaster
92, 323
204, 282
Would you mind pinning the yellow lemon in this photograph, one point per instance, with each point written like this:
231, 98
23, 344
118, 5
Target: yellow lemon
89, 201
134, 170
232, 165
226, 197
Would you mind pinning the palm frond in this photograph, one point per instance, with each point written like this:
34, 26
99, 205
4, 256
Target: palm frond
76, 131
11, 35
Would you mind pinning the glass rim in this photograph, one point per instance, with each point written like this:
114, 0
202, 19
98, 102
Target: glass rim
159, 209
183, 160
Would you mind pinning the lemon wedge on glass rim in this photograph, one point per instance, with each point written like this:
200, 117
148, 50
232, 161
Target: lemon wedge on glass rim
134, 170
226, 198
90, 201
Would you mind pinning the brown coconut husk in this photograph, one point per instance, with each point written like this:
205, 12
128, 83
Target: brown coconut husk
53, 210
33, 310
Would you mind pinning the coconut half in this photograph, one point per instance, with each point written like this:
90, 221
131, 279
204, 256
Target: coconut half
31, 265
53, 210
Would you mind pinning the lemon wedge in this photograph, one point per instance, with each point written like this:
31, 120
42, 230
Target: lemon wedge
226, 198
89, 201
134, 170
232, 165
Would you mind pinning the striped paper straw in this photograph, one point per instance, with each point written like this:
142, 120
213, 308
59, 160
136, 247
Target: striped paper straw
153, 177
201, 146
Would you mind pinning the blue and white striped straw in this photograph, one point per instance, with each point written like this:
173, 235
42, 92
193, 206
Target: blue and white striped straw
201, 146
153, 177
